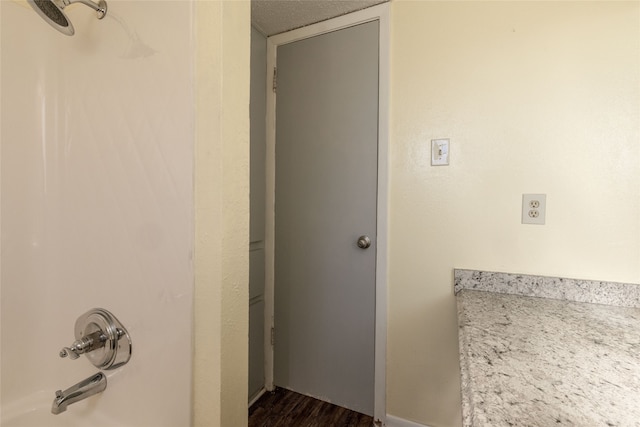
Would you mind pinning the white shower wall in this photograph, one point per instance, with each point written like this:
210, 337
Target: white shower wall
96, 193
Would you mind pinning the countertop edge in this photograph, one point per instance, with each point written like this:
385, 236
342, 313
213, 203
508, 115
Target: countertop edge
465, 378
590, 291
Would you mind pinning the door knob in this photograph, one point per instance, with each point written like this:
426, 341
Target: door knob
364, 242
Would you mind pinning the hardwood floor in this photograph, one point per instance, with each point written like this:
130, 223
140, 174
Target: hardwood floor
284, 408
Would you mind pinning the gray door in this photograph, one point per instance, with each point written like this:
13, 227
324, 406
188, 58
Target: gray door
326, 183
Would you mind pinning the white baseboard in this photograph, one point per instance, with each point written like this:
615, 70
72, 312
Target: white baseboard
257, 396
400, 422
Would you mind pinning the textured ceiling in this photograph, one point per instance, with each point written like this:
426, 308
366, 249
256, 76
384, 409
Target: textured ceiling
276, 16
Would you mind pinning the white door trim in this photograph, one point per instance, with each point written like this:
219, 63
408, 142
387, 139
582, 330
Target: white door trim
376, 13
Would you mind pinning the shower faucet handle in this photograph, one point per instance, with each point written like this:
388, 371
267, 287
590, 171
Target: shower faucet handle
66, 351
84, 345
100, 337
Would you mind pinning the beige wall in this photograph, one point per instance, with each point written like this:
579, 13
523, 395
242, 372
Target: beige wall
222, 213
536, 97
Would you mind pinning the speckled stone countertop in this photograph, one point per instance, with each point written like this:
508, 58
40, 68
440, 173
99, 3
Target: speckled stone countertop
538, 361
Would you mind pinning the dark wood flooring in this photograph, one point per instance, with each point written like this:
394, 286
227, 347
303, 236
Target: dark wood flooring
284, 408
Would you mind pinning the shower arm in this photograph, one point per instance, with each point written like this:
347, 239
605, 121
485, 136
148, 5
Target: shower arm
100, 8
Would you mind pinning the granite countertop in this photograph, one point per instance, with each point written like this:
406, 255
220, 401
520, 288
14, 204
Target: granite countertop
536, 361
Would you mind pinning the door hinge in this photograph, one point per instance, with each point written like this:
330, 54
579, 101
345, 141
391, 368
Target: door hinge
275, 79
273, 336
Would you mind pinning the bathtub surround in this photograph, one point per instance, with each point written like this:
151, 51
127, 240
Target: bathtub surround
546, 360
97, 208
103, 206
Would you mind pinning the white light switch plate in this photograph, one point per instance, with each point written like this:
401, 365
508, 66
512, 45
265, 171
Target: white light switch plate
439, 152
534, 207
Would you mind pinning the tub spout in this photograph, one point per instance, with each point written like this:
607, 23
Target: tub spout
85, 388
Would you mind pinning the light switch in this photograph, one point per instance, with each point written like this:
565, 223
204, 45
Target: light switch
439, 152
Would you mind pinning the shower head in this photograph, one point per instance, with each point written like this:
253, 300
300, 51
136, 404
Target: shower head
52, 11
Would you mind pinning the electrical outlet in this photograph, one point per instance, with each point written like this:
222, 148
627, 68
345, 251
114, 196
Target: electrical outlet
534, 208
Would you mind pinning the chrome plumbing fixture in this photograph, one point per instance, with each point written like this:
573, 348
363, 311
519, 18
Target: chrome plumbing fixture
101, 338
52, 11
93, 385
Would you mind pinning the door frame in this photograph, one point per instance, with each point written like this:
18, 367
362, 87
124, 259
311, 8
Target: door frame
378, 13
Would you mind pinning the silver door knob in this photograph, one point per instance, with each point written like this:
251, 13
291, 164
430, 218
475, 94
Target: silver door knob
364, 242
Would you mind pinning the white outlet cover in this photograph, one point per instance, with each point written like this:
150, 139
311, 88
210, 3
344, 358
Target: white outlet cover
534, 207
439, 152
